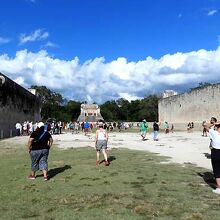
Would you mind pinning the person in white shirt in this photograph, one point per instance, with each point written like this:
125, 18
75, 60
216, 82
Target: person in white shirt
101, 138
18, 127
214, 135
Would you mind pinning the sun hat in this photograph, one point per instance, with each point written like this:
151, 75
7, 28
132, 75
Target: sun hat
40, 124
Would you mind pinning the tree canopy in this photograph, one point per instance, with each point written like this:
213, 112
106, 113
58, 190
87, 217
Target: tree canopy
55, 106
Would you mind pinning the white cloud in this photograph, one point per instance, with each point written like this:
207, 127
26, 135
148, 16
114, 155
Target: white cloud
50, 44
212, 12
98, 80
37, 35
4, 40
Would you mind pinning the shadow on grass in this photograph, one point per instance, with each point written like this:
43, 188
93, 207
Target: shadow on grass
53, 172
110, 159
208, 178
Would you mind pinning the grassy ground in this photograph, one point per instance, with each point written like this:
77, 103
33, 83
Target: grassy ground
135, 186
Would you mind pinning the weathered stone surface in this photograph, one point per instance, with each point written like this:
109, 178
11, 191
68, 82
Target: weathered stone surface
195, 106
16, 104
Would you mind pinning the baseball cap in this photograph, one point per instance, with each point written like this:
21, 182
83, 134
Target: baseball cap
40, 124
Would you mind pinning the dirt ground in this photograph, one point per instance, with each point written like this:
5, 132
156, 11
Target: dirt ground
181, 147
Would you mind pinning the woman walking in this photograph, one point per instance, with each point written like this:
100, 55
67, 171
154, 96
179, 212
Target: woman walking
39, 144
101, 139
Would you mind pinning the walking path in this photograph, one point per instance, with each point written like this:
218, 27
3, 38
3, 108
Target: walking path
181, 147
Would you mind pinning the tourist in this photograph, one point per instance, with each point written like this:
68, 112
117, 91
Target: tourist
76, 127
213, 120
204, 132
215, 151
155, 130
166, 127
86, 127
101, 139
143, 129
18, 127
189, 127
39, 144
171, 128
192, 125
25, 128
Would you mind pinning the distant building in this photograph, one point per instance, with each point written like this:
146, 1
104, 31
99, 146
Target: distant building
90, 113
168, 93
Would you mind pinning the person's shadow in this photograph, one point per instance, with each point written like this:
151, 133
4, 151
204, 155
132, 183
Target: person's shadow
53, 172
207, 155
208, 178
110, 159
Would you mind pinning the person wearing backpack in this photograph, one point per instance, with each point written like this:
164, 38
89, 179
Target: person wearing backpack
39, 145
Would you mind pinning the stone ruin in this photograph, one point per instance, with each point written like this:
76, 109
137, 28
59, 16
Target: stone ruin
16, 104
90, 113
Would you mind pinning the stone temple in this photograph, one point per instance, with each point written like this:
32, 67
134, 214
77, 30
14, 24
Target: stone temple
90, 113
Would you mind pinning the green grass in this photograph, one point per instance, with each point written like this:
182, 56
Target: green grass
135, 186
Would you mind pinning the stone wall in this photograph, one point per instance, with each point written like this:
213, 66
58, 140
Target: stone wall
195, 106
16, 104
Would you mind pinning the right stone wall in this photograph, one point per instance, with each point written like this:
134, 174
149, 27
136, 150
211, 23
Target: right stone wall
195, 106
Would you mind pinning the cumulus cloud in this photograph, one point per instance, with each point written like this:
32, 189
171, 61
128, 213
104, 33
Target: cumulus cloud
98, 80
4, 40
37, 35
212, 12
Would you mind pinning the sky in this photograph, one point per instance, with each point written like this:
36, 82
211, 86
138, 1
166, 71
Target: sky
95, 50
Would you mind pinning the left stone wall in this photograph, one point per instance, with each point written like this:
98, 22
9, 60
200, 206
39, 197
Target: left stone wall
16, 104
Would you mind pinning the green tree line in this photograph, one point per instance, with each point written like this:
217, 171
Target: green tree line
55, 106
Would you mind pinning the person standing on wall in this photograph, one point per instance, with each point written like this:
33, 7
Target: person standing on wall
39, 145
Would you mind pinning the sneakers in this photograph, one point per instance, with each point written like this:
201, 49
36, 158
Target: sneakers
31, 177
217, 190
107, 163
46, 178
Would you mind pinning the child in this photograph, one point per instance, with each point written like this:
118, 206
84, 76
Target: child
101, 138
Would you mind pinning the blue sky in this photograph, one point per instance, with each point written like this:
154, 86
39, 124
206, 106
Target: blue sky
115, 40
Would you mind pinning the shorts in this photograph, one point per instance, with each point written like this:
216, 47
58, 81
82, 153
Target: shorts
101, 145
39, 159
86, 129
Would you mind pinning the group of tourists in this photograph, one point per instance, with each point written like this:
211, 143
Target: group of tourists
25, 128
156, 127
190, 127
40, 142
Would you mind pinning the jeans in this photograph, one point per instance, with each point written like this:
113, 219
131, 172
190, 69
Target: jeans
155, 135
